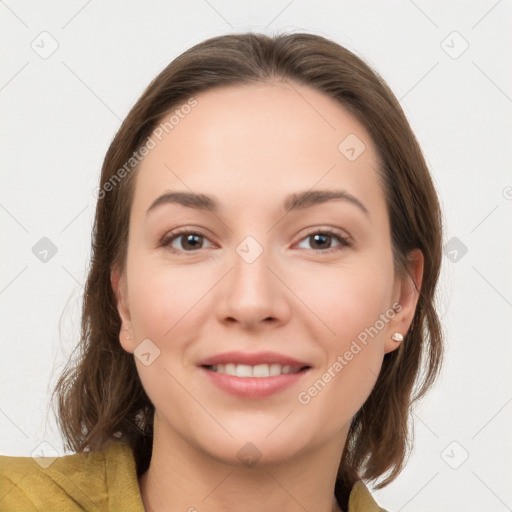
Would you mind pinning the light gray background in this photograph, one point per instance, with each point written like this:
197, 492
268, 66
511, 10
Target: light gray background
59, 114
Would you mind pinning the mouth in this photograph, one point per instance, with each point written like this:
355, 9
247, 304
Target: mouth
259, 370
254, 375
254, 381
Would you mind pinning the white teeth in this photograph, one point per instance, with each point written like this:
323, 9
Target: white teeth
243, 370
259, 370
275, 369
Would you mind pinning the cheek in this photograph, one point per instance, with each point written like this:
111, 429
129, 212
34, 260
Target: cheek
162, 310
353, 303
347, 300
161, 299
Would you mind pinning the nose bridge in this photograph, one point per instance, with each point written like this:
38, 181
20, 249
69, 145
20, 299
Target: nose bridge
252, 293
251, 276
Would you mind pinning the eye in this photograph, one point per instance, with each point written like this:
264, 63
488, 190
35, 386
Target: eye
190, 240
324, 237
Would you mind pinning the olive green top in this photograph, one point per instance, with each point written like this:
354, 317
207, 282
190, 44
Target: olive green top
94, 481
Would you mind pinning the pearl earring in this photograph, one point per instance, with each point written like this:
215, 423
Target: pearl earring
397, 337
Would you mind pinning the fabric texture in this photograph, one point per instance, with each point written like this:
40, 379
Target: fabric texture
96, 482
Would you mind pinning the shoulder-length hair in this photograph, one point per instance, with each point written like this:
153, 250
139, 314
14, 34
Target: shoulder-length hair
100, 396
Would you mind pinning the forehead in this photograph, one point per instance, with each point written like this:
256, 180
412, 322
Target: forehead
255, 143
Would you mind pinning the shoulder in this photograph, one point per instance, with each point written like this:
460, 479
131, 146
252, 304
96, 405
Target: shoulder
83, 481
361, 500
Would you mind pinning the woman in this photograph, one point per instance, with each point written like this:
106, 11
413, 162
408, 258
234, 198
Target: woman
266, 249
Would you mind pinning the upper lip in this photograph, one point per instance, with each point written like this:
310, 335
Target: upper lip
252, 359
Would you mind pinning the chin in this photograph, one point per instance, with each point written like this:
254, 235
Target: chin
260, 444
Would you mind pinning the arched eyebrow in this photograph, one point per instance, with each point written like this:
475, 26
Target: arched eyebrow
295, 201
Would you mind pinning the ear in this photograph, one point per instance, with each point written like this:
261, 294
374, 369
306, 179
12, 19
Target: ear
120, 288
406, 294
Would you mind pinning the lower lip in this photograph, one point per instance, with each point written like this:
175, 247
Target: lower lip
253, 387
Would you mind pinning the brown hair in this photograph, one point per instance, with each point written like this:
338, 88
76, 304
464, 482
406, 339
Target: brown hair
100, 395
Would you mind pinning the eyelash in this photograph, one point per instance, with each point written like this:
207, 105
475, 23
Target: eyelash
344, 241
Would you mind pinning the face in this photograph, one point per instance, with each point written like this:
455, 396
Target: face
310, 281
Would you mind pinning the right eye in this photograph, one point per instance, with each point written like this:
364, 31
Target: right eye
189, 241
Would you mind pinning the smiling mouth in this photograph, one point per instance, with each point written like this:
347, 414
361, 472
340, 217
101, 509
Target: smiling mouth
259, 370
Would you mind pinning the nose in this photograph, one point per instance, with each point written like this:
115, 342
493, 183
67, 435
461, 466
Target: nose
253, 292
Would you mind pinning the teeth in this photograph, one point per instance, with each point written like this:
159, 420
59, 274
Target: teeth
260, 370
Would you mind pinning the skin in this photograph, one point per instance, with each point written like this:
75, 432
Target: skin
250, 146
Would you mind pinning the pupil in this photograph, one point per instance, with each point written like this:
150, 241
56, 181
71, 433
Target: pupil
321, 237
189, 237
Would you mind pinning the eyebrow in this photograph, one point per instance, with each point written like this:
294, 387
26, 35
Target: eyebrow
296, 201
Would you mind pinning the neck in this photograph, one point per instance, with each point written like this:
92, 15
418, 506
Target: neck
182, 477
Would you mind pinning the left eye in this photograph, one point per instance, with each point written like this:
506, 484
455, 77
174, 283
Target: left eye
325, 237
192, 241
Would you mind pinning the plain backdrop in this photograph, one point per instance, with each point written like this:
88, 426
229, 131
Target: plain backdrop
70, 72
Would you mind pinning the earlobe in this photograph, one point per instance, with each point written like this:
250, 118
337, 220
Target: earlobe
118, 282
126, 340
408, 295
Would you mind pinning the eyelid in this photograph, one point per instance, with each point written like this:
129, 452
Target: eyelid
338, 232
